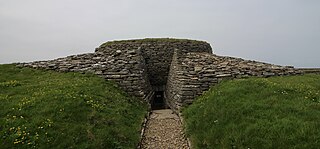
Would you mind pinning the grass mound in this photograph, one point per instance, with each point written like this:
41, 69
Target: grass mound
45, 109
278, 112
152, 40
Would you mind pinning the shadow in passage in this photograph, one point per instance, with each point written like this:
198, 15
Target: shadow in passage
158, 101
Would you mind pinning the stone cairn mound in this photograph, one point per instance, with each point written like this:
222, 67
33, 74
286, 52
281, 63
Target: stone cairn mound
182, 69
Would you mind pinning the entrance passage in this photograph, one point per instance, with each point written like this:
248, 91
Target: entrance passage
158, 101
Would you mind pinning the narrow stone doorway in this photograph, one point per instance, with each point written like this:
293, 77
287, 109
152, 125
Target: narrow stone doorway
158, 101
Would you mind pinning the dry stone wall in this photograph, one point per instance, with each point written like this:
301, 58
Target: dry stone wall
157, 54
193, 73
183, 69
126, 68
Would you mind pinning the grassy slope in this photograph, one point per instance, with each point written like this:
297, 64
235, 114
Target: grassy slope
278, 112
45, 109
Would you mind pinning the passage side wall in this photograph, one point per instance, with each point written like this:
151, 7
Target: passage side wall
126, 68
191, 74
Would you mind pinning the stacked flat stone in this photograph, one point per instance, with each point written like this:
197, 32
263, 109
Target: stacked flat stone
193, 73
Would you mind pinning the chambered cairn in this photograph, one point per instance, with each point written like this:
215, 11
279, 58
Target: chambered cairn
181, 69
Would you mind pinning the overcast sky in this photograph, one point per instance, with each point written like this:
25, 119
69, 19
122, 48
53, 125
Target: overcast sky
285, 32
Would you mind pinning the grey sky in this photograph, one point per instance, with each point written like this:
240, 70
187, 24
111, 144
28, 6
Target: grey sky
285, 32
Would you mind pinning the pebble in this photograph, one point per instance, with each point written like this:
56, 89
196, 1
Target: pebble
164, 133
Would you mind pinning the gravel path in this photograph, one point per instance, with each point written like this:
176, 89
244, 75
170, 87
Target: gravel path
164, 131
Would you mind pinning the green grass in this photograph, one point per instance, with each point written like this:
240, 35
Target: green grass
46, 109
256, 113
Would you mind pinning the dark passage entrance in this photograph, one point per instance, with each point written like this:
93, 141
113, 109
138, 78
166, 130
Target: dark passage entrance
158, 101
